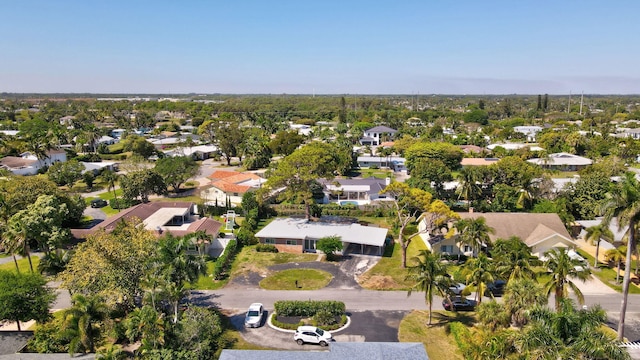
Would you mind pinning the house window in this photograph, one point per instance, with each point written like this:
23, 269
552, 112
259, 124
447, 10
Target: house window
235, 194
292, 242
270, 241
446, 249
467, 248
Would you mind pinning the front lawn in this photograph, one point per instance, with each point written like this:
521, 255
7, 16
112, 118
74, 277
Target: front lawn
388, 273
23, 265
436, 338
608, 275
297, 279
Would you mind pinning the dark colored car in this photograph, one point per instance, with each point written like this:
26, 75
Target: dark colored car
98, 203
496, 288
459, 304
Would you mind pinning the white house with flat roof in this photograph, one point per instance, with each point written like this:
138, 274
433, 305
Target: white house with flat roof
529, 131
515, 146
300, 235
562, 162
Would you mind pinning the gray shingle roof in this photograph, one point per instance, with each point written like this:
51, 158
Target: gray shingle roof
337, 351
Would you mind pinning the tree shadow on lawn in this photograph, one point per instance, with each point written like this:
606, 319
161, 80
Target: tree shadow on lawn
443, 319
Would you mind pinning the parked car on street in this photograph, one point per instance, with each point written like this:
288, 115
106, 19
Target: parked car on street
254, 316
312, 335
496, 288
459, 304
457, 288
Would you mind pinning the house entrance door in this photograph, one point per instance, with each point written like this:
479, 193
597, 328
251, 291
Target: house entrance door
309, 245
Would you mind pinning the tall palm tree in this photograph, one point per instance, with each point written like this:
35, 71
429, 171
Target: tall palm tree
17, 237
568, 333
513, 259
469, 187
617, 255
480, 272
110, 177
624, 203
521, 294
474, 232
82, 322
562, 269
595, 234
430, 275
146, 324
6, 209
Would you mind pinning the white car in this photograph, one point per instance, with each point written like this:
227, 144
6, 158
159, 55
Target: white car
457, 288
313, 335
254, 315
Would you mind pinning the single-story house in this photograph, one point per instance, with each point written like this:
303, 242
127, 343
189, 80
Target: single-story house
230, 185
337, 351
199, 152
300, 235
468, 149
107, 140
541, 232
28, 164
619, 235
395, 163
353, 191
529, 131
98, 167
377, 135
179, 218
562, 162
515, 146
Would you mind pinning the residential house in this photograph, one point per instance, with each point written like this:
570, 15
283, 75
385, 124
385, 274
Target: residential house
29, 164
395, 163
97, 167
471, 149
478, 161
107, 140
300, 235
529, 131
301, 129
515, 146
562, 162
541, 232
177, 218
377, 135
230, 185
199, 152
353, 191
337, 351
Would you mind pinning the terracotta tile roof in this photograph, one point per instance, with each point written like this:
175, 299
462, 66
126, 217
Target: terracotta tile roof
478, 161
230, 181
221, 174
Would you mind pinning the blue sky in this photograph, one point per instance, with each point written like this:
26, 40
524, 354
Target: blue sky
321, 47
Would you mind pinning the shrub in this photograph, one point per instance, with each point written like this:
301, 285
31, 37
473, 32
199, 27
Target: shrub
224, 261
324, 317
122, 203
309, 308
461, 335
266, 248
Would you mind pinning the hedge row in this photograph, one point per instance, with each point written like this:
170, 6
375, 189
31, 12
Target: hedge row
312, 322
461, 335
266, 248
309, 308
334, 209
224, 261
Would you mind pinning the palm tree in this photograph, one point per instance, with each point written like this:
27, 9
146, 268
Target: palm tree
624, 203
55, 262
111, 352
568, 333
82, 322
469, 187
17, 237
616, 255
430, 275
562, 269
513, 259
6, 243
480, 272
148, 325
595, 234
521, 294
110, 177
474, 232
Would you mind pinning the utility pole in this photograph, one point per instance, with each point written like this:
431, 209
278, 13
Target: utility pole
569, 105
581, 100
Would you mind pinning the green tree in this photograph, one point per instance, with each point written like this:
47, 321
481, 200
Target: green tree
65, 173
82, 322
17, 239
175, 171
616, 255
624, 203
594, 235
430, 275
148, 325
138, 145
470, 187
110, 177
286, 142
141, 184
512, 258
520, 295
479, 272
24, 297
295, 175
329, 245
426, 172
199, 332
476, 116
568, 333
449, 154
474, 232
562, 269
42, 222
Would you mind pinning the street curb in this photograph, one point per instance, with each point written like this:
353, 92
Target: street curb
293, 331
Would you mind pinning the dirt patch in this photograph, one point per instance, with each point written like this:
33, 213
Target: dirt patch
377, 282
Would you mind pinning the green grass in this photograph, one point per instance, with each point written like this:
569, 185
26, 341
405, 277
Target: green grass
376, 173
23, 265
206, 282
436, 338
608, 275
297, 279
388, 273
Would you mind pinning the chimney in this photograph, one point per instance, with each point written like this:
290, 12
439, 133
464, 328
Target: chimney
387, 181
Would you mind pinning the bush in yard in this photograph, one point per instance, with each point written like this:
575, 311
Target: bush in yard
266, 248
308, 308
329, 245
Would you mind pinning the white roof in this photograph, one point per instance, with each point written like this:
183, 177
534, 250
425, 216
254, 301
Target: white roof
9, 132
163, 216
348, 187
381, 159
97, 165
562, 159
188, 151
289, 228
515, 146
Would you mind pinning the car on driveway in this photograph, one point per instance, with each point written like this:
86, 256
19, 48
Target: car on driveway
98, 203
312, 335
459, 304
496, 288
253, 319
